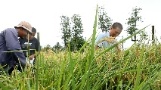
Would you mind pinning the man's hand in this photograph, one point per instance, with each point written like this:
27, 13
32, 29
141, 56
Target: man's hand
31, 57
109, 39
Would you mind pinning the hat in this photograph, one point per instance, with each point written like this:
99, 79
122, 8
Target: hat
25, 25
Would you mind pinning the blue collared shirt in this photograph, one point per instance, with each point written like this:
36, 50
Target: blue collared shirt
100, 36
9, 42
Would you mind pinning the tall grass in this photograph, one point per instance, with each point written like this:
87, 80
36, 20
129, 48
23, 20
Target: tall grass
137, 68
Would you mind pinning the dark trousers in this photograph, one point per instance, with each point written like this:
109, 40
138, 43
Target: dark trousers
11, 62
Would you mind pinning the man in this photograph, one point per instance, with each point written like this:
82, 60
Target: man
9, 47
33, 46
33, 31
104, 39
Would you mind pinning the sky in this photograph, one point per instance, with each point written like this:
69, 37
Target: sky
44, 15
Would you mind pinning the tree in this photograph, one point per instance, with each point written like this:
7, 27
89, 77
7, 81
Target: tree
76, 46
77, 40
104, 22
132, 22
46, 48
72, 36
66, 30
57, 47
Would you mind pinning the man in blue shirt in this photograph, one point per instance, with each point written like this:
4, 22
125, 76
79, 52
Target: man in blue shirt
104, 39
10, 54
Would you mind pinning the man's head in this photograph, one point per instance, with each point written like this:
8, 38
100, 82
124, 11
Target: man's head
33, 31
116, 29
23, 29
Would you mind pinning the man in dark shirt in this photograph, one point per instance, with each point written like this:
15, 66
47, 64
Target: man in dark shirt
33, 45
10, 54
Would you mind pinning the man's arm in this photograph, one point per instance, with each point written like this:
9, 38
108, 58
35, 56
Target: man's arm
37, 45
97, 40
12, 43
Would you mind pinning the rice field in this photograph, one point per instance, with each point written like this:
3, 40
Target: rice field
137, 68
